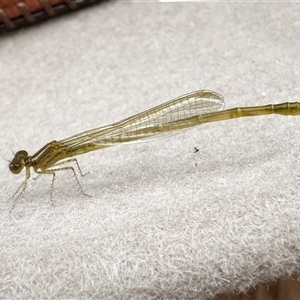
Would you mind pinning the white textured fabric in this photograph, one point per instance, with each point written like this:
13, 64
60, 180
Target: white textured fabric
163, 222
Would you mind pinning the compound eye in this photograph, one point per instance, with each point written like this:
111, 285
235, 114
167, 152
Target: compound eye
15, 168
18, 162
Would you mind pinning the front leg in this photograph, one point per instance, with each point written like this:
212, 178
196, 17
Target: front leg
22, 187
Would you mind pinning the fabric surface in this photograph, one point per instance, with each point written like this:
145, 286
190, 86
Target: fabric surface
163, 221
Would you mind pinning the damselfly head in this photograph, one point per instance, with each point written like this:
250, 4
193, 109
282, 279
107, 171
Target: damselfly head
18, 162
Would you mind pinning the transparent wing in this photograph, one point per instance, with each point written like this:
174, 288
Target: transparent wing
176, 114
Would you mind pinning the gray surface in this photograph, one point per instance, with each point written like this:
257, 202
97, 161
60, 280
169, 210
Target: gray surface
162, 222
